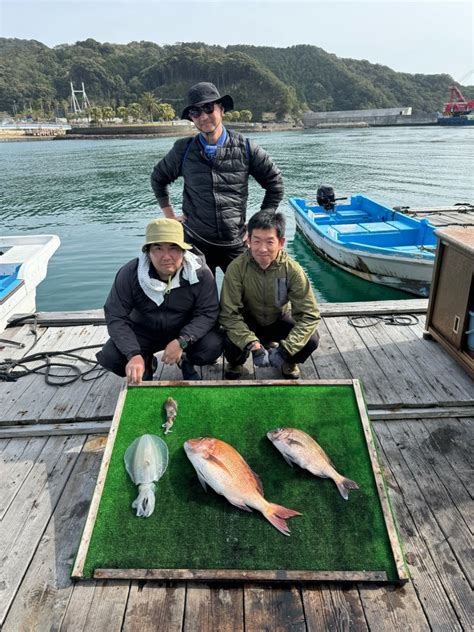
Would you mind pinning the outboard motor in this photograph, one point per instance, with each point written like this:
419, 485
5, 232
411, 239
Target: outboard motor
325, 197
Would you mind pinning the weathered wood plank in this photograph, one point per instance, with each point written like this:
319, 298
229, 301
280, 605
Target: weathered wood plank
155, 606
425, 577
393, 609
327, 358
272, 608
66, 401
214, 608
450, 576
101, 399
43, 596
333, 608
427, 412
403, 379
370, 308
96, 316
51, 430
26, 402
361, 362
431, 482
431, 364
444, 470
96, 606
29, 513
441, 364
453, 438
16, 462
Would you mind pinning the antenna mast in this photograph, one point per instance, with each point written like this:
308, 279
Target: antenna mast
74, 100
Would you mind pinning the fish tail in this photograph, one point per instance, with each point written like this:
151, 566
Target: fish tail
344, 485
277, 516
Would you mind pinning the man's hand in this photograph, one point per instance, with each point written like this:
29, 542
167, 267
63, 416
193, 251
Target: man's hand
134, 369
169, 213
172, 353
260, 357
275, 357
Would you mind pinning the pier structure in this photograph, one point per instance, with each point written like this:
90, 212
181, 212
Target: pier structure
52, 438
370, 118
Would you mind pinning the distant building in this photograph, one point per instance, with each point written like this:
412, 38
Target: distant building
381, 116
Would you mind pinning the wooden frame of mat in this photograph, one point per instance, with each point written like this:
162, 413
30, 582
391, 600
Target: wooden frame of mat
242, 574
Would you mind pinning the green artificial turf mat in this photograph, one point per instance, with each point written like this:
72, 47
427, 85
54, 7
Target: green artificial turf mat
194, 529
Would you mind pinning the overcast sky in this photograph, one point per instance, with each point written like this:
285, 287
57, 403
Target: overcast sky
416, 37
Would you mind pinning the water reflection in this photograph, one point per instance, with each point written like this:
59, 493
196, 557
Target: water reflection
96, 196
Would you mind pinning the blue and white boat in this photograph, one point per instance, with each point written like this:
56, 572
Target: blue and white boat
371, 241
23, 265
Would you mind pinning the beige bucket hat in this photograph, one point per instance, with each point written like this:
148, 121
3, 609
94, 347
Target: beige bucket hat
165, 231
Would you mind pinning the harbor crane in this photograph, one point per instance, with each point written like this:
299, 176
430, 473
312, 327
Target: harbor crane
457, 104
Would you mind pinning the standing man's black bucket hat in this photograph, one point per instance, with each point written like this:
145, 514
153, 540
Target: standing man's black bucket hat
206, 92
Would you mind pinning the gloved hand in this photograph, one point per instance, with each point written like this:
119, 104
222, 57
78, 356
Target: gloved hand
260, 357
275, 357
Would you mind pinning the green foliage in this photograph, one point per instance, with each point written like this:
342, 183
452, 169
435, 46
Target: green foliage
245, 116
283, 81
96, 114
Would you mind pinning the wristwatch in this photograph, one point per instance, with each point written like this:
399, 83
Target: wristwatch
183, 342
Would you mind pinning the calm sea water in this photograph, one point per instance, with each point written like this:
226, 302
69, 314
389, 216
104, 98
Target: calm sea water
96, 196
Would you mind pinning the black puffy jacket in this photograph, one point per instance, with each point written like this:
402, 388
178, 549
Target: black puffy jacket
215, 193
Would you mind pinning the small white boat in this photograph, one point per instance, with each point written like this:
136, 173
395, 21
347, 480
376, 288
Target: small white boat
371, 241
23, 265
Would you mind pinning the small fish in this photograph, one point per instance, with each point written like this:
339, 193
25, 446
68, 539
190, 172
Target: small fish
298, 447
220, 466
146, 460
171, 409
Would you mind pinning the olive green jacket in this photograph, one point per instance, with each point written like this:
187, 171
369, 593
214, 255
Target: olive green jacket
266, 295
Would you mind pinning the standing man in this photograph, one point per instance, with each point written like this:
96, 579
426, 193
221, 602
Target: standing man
215, 165
267, 303
166, 299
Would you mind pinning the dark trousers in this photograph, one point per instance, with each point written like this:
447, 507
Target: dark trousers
216, 256
275, 332
203, 351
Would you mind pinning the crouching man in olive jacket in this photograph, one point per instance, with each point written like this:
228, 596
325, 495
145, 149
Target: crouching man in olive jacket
267, 304
166, 299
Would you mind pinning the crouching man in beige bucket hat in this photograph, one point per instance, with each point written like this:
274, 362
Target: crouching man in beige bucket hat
163, 300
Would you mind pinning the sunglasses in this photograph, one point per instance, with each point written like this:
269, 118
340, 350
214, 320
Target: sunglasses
196, 111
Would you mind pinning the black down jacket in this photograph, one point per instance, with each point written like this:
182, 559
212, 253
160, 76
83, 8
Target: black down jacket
215, 193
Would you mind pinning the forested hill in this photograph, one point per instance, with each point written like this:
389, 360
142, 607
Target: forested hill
261, 79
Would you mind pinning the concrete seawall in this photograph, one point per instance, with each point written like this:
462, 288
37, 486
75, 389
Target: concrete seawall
372, 118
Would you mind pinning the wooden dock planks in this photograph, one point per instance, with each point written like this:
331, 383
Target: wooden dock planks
46, 484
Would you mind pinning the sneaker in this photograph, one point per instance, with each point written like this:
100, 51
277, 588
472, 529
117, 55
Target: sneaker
189, 372
151, 364
234, 372
291, 371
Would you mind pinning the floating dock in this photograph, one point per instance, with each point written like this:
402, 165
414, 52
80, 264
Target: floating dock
52, 439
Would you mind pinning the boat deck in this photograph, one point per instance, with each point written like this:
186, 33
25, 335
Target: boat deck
51, 444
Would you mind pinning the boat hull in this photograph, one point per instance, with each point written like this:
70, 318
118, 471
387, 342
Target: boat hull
23, 265
409, 275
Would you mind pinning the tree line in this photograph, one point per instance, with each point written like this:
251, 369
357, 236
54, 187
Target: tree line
283, 82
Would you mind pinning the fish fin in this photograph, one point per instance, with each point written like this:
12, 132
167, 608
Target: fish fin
258, 481
344, 485
202, 480
287, 459
239, 503
218, 462
277, 515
